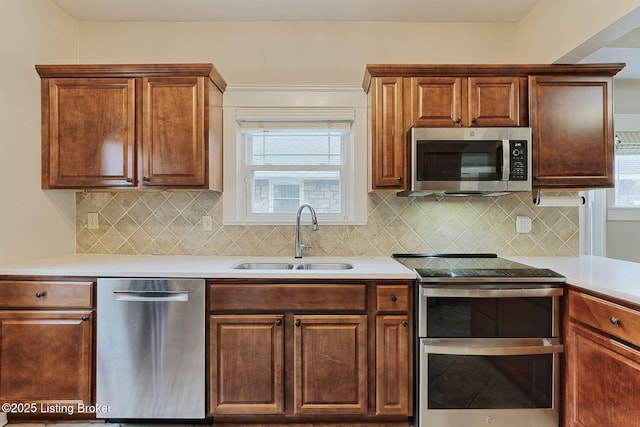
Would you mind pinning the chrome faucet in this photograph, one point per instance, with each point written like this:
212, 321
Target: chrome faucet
314, 227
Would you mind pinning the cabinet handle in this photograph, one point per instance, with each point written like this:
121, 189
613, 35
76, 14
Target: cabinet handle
278, 322
405, 323
394, 298
40, 294
298, 323
614, 321
85, 318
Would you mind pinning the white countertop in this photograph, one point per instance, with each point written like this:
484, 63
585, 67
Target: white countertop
608, 276
208, 267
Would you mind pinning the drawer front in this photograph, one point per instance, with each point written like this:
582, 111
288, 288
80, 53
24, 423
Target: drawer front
611, 318
293, 297
44, 294
392, 297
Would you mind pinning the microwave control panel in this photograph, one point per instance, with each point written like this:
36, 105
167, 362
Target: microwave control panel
518, 150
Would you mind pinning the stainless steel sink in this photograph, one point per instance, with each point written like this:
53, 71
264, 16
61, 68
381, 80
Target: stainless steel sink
264, 266
290, 266
324, 266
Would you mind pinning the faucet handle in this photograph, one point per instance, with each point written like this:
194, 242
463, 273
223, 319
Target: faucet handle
304, 246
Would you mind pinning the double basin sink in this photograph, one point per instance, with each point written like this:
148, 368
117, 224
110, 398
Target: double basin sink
293, 266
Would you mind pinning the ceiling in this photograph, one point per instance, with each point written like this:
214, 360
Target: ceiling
625, 49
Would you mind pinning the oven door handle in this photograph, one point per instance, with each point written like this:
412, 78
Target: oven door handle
492, 346
474, 292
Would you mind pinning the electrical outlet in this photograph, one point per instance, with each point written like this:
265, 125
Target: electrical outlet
207, 223
523, 224
92, 221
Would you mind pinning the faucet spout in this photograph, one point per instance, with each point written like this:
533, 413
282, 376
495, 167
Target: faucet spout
314, 227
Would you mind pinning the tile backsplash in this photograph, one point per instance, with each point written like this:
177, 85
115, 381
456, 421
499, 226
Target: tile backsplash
171, 223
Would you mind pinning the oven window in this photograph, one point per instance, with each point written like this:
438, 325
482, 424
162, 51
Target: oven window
490, 382
489, 317
459, 160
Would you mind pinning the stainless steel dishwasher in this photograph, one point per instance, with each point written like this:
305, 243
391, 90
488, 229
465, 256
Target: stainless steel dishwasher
150, 348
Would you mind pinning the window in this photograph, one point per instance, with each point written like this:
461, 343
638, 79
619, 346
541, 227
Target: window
287, 165
278, 156
627, 170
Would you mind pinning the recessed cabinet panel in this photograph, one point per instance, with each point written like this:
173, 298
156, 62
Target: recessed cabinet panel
89, 134
572, 131
437, 101
46, 357
388, 139
173, 148
494, 101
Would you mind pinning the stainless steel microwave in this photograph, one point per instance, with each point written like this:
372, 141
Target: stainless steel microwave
469, 161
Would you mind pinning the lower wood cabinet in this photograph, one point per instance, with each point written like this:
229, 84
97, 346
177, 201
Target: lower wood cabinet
602, 363
46, 346
281, 353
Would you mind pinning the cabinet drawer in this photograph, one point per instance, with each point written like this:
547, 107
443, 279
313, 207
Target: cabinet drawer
43, 294
392, 297
299, 297
611, 318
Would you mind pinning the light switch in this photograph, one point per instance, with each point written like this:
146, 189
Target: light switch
523, 224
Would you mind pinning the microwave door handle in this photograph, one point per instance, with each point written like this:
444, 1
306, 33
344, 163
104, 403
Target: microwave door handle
506, 159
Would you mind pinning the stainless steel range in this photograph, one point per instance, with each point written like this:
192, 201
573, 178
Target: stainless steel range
488, 341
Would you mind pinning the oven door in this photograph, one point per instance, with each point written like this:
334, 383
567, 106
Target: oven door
497, 382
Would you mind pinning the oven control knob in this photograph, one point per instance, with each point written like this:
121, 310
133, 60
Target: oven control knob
490, 420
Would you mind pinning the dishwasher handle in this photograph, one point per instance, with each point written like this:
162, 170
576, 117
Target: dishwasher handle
151, 296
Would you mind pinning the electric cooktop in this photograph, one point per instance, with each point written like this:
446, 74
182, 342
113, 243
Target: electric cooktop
473, 267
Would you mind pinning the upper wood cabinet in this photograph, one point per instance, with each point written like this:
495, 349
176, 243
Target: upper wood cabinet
569, 108
131, 126
461, 101
388, 134
572, 131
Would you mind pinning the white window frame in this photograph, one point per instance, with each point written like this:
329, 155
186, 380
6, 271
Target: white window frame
623, 122
294, 104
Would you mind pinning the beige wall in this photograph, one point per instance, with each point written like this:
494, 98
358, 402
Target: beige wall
33, 223
569, 30
291, 53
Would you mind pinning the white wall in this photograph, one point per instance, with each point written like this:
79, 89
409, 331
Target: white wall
33, 223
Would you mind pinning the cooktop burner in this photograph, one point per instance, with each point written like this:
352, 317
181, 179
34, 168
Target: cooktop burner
473, 267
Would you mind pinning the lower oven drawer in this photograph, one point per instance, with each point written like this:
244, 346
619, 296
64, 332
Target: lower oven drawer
489, 381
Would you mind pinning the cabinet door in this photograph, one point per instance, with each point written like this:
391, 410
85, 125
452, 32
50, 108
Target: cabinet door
46, 357
246, 356
602, 380
88, 133
437, 101
174, 142
494, 101
572, 130
393, 368
388, 138
330, 364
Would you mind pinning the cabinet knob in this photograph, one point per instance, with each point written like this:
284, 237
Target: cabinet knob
85, 318
145, 178
458, 120
399, 178
474, 120
40, 294
405, 323
278, 322
614, 321
394, 298
129, 180
297, 322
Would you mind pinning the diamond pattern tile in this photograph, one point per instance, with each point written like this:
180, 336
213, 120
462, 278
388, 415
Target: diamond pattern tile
171, 223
